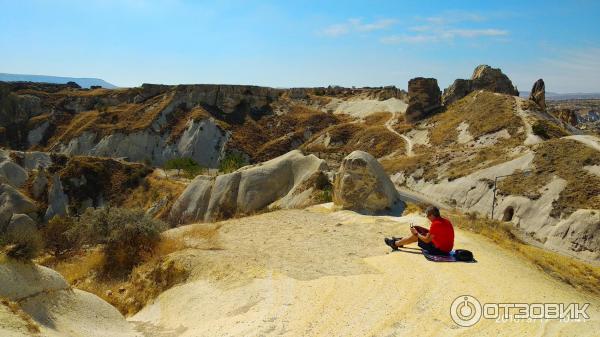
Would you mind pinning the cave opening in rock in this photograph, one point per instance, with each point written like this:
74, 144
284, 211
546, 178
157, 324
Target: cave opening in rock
508, 213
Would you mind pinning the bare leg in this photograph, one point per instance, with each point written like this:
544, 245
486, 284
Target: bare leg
407, 240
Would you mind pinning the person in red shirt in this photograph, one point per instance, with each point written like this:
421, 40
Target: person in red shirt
437, 240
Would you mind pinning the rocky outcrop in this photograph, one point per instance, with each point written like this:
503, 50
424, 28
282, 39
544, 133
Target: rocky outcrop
484, 78
579, 233
58, 201
538, 93
362, 185
13, 202
423, 98
14, 174
249, 189
203, 141
52, 307
567, 115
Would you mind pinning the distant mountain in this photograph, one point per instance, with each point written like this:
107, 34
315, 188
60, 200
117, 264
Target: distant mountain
553, 96
83, 82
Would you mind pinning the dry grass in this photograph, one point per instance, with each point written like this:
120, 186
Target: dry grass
180, 117
16, 309
376, 140
152, 190
564, 158
578, 274
377, 118
548, 130
485, 112
126, 118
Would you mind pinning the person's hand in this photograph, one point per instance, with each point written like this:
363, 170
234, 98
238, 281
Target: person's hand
413, 230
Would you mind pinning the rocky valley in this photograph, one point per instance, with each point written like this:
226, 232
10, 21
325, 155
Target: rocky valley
274, 164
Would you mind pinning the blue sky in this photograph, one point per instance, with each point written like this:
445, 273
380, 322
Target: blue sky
303, 43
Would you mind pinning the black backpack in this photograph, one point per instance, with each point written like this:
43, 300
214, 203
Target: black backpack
463, 255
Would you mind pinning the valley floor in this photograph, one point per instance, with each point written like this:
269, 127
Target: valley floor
315, 272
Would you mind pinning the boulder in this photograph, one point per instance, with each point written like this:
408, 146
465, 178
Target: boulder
484, 78
538, 93
459, 89
249, 189
424, 96
362, 185
14, 174
13, 202
58, 201
47, 299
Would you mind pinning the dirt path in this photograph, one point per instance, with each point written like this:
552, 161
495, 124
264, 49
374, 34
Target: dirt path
317, 273
409, 143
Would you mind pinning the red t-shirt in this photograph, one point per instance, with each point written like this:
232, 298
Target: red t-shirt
442, 234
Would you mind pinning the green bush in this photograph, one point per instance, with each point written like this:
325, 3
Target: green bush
128, 236
232, 162
185, 164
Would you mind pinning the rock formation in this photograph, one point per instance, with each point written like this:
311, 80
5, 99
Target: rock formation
362, 185
538, 93
54, 308
423, 98
249, 189
568, 116
484, 78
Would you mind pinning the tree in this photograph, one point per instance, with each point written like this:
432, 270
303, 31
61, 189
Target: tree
188, 165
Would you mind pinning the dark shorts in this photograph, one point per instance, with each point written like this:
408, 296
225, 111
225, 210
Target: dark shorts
430, 248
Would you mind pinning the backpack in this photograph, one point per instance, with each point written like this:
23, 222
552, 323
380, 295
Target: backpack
463, 255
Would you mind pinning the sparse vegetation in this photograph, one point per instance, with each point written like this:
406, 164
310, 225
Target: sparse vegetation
21, 244
103, 178
232, 161
569, 270
185, 164
59, 238
485, 112
127, 236
564, 158
547, 129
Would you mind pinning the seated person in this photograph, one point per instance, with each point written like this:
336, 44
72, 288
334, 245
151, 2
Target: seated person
437, 240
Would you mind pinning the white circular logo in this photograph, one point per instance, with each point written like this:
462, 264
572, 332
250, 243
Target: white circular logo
465, 310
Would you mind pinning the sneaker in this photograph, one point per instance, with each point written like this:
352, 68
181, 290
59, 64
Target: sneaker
391, 243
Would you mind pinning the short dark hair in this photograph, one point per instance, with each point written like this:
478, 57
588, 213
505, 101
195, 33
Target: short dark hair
432, 210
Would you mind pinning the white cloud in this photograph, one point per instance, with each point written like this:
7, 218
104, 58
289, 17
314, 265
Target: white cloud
357, 25
575, 70
445, 28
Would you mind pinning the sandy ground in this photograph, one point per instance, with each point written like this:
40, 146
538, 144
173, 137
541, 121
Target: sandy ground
320, 273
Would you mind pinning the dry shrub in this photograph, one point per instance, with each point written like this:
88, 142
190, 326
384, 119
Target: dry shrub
127, 236
22, 245
57, 237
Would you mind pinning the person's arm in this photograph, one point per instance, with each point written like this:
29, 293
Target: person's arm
425, 238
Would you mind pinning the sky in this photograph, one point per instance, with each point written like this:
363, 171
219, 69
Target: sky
303, 43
